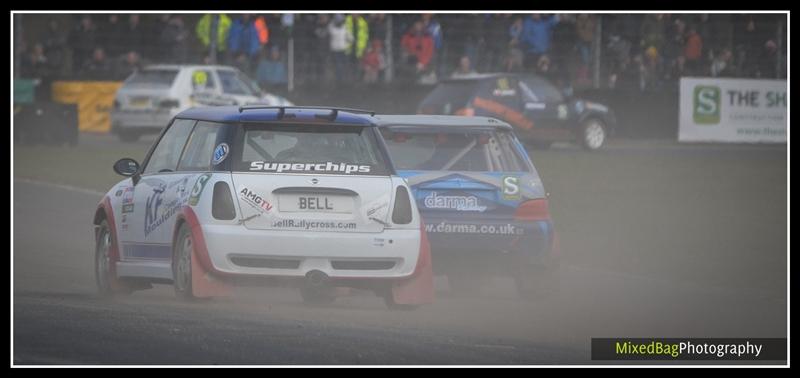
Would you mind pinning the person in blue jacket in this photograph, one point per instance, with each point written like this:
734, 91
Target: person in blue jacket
243, 38
537, 34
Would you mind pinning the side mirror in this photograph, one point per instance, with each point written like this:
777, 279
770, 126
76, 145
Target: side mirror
126, 167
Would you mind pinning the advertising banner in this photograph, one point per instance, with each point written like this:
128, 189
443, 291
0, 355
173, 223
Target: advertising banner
733, 110
94, 99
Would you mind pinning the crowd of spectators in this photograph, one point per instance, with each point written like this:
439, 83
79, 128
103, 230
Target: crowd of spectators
636, 51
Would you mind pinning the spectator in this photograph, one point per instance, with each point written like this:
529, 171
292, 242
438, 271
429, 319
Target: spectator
358, 27
693, 51
133, 37
496, 41
271, 72
127, 65
584, 28
768, 61
464, 68
377, 26
722, 65
111, 37
159, 49
652, 69
97, 68
55, 46
674, 44
339, 38
536, 37
652, 32
83, 40
374, 62
175, 39
434, 29
749, 42
417, 49
203, 31
677, 69
243, 38
36, 63
515, 59
320, 47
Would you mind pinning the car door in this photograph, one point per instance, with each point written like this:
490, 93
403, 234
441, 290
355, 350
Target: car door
543, 103
157, 198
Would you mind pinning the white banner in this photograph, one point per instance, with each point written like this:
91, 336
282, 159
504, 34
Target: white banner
733, 110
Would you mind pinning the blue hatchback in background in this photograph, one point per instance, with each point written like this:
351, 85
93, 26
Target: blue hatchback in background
483, 203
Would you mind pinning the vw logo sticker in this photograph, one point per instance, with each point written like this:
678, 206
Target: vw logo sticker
220, 153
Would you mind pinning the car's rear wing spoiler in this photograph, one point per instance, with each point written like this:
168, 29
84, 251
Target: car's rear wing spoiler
282, 110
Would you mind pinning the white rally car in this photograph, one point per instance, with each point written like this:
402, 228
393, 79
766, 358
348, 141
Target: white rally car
151, 97
233, 195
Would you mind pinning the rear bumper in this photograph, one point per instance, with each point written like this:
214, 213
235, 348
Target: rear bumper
234, 250
499, 243
145, 121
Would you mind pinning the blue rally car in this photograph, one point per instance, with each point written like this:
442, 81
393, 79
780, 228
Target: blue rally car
482, 201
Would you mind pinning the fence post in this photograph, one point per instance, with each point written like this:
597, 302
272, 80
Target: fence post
389, 54
17, 44
779, 62
598, 43
213, 38
291, 64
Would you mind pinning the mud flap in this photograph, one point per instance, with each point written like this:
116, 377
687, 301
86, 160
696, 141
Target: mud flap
204, 283
417, 289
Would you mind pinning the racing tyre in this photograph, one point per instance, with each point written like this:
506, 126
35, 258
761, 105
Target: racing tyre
593, 133
182, 264
107, 282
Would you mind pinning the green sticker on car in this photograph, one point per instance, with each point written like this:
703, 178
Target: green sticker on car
197, 190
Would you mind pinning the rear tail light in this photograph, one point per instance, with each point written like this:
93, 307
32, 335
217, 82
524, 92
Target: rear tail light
533, 210
222, 202
465, 112
401, 214
169, 103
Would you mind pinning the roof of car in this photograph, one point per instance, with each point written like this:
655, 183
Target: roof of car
492, 75
424, 120
187, 66
277, 113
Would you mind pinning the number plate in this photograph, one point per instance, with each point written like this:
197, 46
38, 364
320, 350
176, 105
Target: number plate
140, 102
313, 203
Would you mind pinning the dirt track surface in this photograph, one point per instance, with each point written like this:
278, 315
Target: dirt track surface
58, 319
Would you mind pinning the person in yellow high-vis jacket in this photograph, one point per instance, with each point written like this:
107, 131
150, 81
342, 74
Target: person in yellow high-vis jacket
360, 34
203, 31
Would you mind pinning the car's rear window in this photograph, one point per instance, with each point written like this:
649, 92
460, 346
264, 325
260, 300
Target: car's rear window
473, 150
449, 97
153, 77
318, 149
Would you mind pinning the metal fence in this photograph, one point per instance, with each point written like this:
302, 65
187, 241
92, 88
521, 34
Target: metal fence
284, 52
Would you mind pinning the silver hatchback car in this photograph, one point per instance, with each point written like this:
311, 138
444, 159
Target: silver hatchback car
151, 97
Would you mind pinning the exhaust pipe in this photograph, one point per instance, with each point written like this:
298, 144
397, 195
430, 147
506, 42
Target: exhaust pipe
316, 279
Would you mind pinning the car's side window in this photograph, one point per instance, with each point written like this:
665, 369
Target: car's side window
231, 84
200, 148
545, 91
168, 151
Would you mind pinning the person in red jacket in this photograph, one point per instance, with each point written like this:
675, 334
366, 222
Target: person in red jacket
417, 48
693, 52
